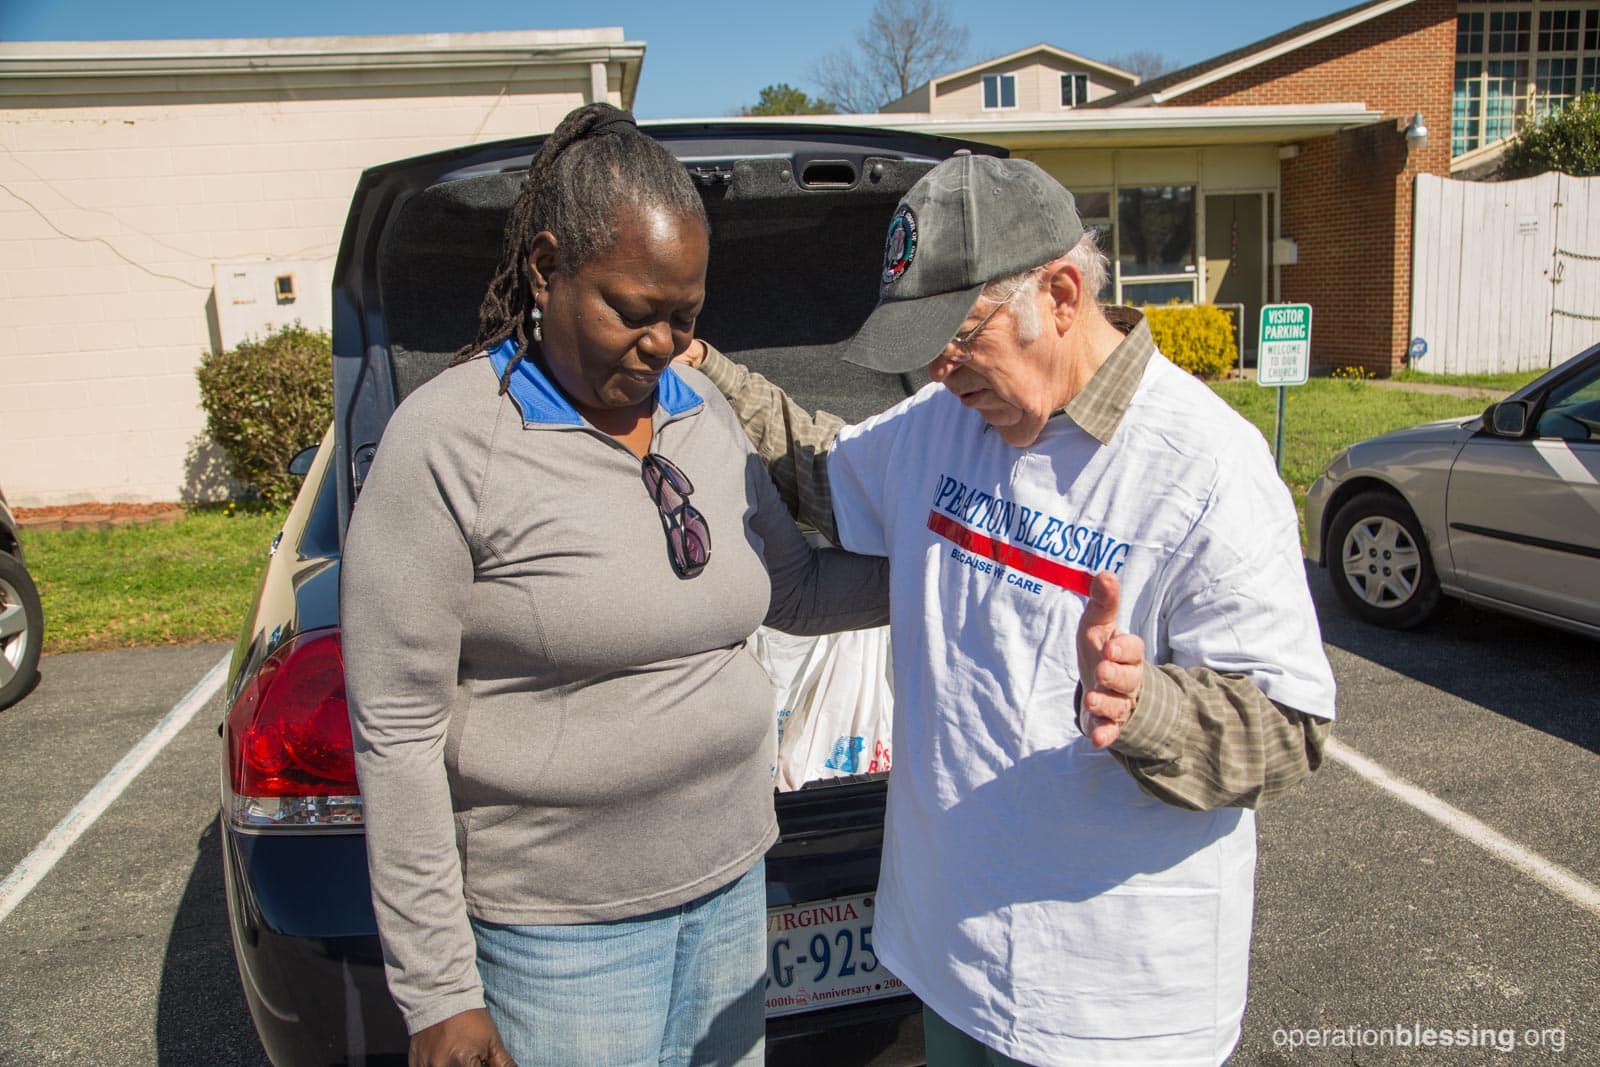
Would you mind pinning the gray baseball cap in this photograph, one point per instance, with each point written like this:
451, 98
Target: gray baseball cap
966, 222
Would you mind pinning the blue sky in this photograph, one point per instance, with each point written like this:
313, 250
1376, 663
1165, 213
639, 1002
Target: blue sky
703, 58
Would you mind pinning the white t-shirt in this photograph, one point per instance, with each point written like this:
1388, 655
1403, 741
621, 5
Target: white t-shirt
1031, 894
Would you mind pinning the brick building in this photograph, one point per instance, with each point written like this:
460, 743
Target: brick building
1280, 171
1346, 197
1286, 170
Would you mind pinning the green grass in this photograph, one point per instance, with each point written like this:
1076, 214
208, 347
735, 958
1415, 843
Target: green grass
1326, 414
151, 585
193, 580
1508, 382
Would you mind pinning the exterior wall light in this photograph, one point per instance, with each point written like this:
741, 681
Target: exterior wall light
1416, 132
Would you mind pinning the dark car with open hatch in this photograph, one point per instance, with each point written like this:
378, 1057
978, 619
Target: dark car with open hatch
21, 617
798, 214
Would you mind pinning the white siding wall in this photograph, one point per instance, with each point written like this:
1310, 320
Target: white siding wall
1038, 88
113, 213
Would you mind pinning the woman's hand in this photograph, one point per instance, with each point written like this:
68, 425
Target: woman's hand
466, 1039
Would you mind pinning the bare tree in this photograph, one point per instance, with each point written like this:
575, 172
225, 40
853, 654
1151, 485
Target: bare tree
1143, 62
905, 43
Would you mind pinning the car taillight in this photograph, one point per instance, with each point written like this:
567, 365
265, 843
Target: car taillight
291, 761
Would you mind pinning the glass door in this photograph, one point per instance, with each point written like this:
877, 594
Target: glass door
1236, 256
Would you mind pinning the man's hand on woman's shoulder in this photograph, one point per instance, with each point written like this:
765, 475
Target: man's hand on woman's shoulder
694, 355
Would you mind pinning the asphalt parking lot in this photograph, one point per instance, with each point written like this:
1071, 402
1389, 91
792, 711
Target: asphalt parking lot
1376, 922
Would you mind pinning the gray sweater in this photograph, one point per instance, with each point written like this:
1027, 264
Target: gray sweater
551, 727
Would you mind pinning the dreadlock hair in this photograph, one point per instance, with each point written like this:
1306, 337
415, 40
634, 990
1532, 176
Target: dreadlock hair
594, 164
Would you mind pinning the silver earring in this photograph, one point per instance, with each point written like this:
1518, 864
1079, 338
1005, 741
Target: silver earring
537, 317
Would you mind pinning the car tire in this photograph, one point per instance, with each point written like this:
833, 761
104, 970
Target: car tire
1380, 564
21, 630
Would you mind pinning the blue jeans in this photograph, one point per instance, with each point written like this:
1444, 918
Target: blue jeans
684, 986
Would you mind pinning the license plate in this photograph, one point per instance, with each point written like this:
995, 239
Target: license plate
819, 955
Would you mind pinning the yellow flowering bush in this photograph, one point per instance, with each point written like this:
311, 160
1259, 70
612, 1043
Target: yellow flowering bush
1197, 337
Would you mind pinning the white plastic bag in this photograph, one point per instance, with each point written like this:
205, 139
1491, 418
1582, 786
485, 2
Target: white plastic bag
835, 703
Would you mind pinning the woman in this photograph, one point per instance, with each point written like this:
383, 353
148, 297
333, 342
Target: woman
558, 554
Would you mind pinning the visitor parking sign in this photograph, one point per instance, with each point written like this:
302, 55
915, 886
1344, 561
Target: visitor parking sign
1285, 354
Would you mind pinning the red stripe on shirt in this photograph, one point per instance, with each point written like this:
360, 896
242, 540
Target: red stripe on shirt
1058, 574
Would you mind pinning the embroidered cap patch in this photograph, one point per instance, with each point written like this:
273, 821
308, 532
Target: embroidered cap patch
901, 247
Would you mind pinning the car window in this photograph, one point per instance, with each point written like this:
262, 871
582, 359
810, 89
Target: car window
1572, 411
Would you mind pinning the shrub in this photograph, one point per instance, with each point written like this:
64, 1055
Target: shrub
265, 401
1567, 140
1197, 337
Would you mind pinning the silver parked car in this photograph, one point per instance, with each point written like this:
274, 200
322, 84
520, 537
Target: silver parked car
1502, 510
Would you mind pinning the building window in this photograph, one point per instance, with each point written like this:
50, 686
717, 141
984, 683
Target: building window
1466, 114
1139, 294
1508, 31
1556, 82
1074, 89
1094, 208
1512, 68
999, 90
1155, 230
1558, 31
1148, 235
1504, 98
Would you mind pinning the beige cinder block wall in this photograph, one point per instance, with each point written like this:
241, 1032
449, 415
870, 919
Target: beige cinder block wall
129, 170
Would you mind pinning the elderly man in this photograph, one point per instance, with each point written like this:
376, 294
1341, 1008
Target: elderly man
1105, 653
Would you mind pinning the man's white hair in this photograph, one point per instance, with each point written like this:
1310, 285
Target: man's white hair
1085, 255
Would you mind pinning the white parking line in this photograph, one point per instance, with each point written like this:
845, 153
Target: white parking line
1551, 875
38, 863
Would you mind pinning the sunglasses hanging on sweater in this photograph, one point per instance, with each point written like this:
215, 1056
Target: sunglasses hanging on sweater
688, 536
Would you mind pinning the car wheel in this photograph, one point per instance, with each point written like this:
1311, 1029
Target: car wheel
21, 630
1381, 568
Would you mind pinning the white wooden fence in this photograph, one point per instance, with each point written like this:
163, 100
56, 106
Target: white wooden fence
1504, 275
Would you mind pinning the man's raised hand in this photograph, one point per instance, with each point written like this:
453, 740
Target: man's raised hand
1110, 664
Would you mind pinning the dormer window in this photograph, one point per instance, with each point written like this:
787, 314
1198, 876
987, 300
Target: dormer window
999, 91
1074, 89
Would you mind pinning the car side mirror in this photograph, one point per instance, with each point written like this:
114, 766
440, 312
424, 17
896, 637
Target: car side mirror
1509, 418
300, 465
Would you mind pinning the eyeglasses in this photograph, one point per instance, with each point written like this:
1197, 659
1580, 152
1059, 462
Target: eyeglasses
963, 341
688, 536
